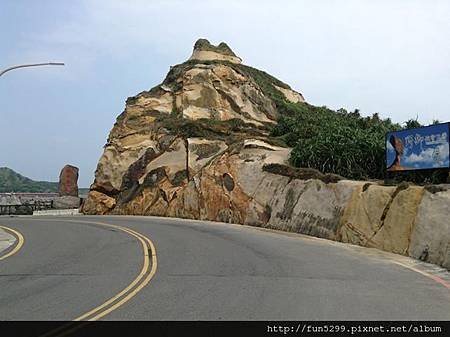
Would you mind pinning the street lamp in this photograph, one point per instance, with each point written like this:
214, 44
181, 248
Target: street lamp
32, 65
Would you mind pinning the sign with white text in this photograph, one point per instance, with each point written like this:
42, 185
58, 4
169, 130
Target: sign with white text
418, 149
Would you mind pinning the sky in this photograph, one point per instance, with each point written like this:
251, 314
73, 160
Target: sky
387, 56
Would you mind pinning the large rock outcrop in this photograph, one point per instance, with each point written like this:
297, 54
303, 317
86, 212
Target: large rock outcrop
198, 146
193, 146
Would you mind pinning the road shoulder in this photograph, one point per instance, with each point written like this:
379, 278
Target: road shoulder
6, 241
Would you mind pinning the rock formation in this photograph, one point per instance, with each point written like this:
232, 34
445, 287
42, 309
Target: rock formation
198, 146
193, 146
204, 51
68, 181
68, 188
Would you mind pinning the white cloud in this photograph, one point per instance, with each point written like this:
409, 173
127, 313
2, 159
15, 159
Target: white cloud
335, 52
437, 156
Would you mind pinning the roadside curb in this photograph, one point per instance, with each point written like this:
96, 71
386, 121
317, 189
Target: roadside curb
429, 270
6, 240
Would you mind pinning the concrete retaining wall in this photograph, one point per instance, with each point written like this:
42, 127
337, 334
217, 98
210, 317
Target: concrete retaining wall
74, 211
408, 220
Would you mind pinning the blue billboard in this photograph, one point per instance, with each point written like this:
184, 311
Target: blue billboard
418, 149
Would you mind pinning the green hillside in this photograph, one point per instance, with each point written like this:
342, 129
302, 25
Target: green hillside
11, 181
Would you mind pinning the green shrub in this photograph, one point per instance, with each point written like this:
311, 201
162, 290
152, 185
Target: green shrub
335, 141
339, 142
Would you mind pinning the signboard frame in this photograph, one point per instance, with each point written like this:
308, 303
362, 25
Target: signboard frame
415, 169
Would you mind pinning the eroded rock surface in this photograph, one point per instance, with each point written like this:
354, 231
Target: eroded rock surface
68, 181
198, 146
193, 146
381, 217
430, 240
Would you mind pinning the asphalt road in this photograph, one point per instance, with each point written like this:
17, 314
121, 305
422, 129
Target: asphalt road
205, 271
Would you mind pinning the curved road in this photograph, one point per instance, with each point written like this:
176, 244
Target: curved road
205, 271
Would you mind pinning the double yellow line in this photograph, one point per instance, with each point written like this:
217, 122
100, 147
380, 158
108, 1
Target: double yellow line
147, 272
20, 241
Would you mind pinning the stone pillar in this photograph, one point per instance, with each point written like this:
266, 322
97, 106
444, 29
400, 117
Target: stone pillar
68, 189
68, 181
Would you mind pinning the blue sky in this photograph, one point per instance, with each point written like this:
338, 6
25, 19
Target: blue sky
385, 56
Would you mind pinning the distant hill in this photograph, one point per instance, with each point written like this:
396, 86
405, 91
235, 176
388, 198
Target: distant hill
11, 181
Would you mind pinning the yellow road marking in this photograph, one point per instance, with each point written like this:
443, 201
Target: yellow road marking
145, 269
144, 277
19, 244
141, 285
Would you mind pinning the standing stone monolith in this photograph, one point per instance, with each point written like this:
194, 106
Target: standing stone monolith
68, 181
68, 189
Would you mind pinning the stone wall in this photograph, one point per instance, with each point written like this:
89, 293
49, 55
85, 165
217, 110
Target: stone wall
407, 220
234, 185
199, 146
430, 239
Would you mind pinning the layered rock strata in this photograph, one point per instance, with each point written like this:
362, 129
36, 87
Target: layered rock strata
198, 146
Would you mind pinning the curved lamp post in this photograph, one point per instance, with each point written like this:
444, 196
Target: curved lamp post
31, 65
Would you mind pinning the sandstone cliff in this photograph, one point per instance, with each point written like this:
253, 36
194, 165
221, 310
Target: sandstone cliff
194, 146
198, 146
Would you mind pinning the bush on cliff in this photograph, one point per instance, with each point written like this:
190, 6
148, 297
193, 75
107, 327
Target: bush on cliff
344, 143
338, 142
335, 141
